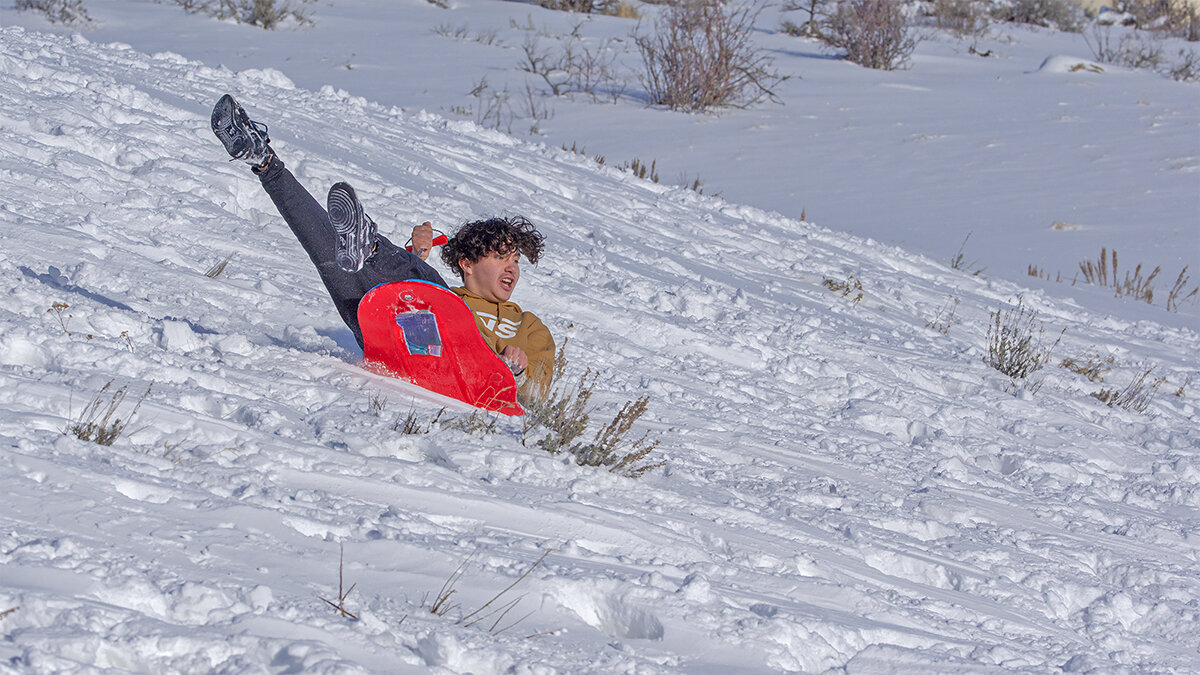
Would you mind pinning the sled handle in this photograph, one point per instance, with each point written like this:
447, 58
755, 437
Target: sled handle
437, 241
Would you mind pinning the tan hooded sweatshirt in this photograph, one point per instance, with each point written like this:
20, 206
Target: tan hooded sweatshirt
503, 324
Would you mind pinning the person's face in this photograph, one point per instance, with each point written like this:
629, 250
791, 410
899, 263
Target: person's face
494, 276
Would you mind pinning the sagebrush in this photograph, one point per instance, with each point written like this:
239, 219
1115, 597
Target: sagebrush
560, 420
1016, 343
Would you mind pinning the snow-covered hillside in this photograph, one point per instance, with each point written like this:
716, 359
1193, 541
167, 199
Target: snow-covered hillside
846, 486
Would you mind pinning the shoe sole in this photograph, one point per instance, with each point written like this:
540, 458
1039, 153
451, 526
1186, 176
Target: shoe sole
346, 217
223, 115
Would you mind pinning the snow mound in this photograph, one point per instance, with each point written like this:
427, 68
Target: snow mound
1070, 64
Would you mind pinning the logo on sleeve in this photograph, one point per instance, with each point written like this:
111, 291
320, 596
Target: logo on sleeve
501, 328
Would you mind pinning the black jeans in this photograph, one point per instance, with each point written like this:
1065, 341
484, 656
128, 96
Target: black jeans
310, 224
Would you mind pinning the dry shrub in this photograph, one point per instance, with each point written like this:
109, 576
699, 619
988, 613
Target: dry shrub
583, 6
874, 33
98, 422
218, 268
571, 66
700, 57
1092, 366
442, 605
563, 416
69, 12
1100, 273
815, 12
1057, 14
963, 18
1179, 291
1186, 67
1015, 342
1136, 397
850, 287
265, 14
1177, 18
1132, 50
944, 317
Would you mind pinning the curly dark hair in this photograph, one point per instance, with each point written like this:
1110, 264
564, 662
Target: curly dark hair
493, 235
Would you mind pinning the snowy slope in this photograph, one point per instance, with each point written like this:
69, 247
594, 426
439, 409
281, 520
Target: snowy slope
846, 487
997, 149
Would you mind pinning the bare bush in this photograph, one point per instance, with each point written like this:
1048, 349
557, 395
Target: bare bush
265, 14
944, 317
1177, 18
1186, 67
874, 33
1015, 342
1136, 396
1132, 50
98, 422
70, 12
815, 13
611, 7
574, 67
850, 287
700, 57
582, 6
563, 417
1092, 366
1057, 14
964, 18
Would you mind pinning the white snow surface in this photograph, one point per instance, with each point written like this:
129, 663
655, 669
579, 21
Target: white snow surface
847, 488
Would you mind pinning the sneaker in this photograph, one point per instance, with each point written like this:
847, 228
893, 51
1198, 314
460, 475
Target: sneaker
355, 230
243, 139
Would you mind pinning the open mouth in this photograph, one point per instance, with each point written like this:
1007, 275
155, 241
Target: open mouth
507, 283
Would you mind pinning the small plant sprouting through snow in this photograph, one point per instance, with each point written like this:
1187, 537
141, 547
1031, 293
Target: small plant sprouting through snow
1092, 366
959, 261
851, 286
98, 422
340, 605
59, 309
218, 268
442, 605
1179, 291
377, 403
1136, 397
944, 317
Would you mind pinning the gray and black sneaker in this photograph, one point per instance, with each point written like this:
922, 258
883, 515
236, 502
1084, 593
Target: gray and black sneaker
243, 139
355, 230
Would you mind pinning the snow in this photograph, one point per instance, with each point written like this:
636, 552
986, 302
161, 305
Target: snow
848, 488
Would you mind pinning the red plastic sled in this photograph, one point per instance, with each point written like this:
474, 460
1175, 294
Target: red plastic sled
427, 335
